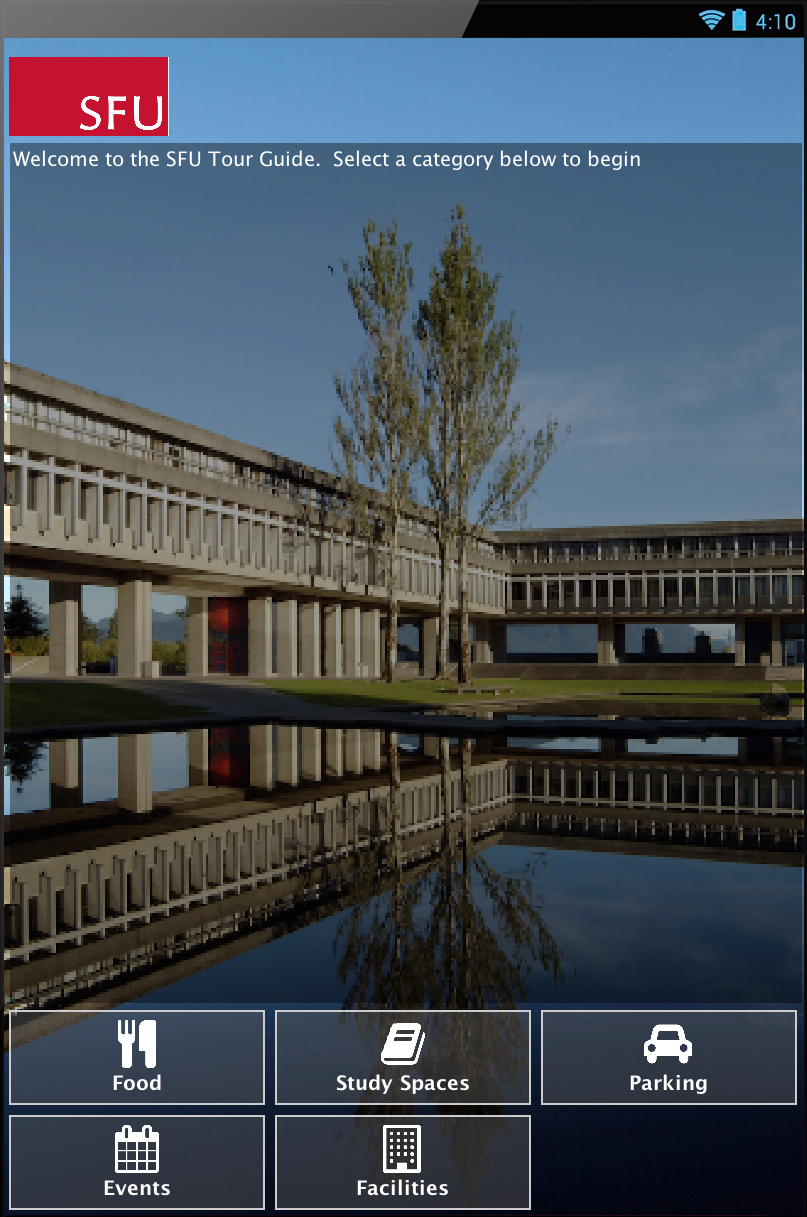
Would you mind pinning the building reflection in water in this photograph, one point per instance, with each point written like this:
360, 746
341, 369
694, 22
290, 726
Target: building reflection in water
106, 902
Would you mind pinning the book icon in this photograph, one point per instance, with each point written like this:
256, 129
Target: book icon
403, 1044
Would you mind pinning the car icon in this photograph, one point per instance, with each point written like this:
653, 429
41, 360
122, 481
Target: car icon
668, 1039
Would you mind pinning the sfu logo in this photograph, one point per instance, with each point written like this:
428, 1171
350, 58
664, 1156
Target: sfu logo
87, 96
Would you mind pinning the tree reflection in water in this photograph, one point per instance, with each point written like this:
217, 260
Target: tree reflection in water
452, 934
21, 760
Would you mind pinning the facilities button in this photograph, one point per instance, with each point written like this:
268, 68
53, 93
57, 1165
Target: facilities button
411, 1162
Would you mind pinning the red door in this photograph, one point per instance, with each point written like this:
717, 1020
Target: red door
228, 756
227, 635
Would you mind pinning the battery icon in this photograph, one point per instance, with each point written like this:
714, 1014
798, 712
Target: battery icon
738, 19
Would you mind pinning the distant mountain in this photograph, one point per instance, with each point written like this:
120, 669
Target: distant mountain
552, 639
165, 627
677, 638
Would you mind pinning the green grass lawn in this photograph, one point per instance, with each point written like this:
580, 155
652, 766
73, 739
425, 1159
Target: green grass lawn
56, 705
430, 693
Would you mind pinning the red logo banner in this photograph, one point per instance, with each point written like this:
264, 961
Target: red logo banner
92, 96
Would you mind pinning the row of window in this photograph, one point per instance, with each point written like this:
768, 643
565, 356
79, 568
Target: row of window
682, 789
728, 586
60, 419
757, 544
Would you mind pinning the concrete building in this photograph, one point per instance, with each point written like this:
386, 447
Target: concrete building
98, 491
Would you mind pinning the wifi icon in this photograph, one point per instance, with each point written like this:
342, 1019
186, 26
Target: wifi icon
712, 17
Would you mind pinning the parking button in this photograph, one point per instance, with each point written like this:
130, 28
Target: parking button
664, 1057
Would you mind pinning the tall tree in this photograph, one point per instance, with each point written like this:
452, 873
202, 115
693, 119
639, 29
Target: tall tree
480, 463
377, 434
22, 619
436, 454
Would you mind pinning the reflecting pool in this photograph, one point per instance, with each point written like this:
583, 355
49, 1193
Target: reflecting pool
281, 862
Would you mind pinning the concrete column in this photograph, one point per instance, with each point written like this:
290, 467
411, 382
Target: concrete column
161, 877
141, 882
19, 898
333, 640
260, 636
353, 751
371, 749
334, 753
605, 640
431, 634
198, 870
248, 853
197, 635
288, 763
431, 746
117, 888
75, 493
63, 628
311, 765
776, 640
739, 642
198, 757
120, 503
215, 862
371, 642
96, 892
134, 773
23, 484
92, 507
71, 911
483, 650
143, 502
46, 907
351, 635
50, 493
287, 638
134, 628
261, 756
310, 639
64, 765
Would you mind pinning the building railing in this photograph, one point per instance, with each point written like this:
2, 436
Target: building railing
622, 607
627, 556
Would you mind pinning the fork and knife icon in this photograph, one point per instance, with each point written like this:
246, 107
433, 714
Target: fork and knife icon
146, 1041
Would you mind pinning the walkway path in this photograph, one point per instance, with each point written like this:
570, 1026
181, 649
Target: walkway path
226, 696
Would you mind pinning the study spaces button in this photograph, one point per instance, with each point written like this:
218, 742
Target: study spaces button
404, 1057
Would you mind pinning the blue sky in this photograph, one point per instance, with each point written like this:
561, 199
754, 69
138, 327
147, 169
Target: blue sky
660, 307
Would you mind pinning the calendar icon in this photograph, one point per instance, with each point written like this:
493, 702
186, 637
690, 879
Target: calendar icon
401, 1149
137, 1153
